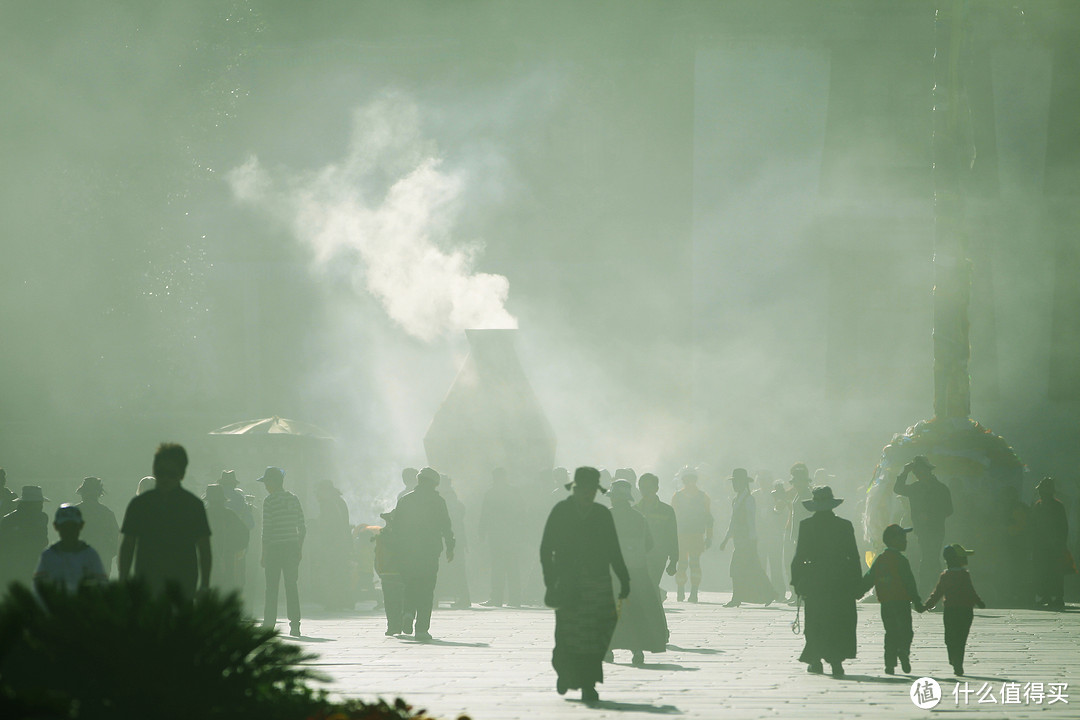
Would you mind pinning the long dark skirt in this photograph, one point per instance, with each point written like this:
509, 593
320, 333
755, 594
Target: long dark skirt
583, 632
749, 582
642, 624
829, 628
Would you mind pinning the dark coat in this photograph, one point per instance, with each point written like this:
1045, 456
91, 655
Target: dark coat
826, 573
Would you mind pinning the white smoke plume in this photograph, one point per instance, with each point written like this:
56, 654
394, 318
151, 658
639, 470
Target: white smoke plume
388, 212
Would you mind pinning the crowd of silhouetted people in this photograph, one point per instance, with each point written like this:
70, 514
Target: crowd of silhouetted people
600, 565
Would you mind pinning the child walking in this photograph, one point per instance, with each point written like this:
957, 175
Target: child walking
894, 584
960, 597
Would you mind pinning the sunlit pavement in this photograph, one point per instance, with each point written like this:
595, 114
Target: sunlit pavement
494, 664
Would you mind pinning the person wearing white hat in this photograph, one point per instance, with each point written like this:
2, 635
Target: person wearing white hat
24, 534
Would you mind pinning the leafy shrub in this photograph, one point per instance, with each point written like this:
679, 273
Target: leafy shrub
117, 651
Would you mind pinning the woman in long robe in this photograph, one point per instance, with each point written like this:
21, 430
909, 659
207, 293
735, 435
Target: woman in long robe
826, 574
578, 552
642, 624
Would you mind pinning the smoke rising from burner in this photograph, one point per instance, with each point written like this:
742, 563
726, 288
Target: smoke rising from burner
385, 216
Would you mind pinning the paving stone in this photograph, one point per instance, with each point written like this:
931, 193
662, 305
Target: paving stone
495, 664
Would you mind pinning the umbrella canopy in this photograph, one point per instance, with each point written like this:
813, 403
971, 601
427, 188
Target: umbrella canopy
274, 426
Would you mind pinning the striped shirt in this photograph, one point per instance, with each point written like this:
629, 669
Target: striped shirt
283, 519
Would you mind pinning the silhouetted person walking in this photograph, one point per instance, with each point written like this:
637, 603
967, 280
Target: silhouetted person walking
24, 534
331, 549
101, 530
578, 552
424, 524
894, 585
642, 625
664, 529
8, 498
825, 573
960, 598
454, 576
931, 503
228, 540
283, 533
165, 530
70, 562
388, 562
501, 525
800, 492
1050, 534
693, 510
749, 583
238, 503
772, 536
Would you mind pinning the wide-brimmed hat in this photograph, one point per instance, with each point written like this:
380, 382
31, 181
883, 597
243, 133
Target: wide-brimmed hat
740, 475
272, 474
892, 532
626, 474
32, 493
586, 477
68, 513
428, 475
687, 472
822, 500
922, 461
228, 478
91, 485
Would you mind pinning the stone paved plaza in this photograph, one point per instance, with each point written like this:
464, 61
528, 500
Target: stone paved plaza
494, 664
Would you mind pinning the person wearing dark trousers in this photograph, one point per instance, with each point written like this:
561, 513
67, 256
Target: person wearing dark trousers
825, 574
388, 566
501, 522
424, 523
960, 597
931, 504
894, 586
283, 532
1050, 533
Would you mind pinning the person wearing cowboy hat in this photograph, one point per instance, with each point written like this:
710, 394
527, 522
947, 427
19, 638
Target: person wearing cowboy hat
423, 520
894, 585
826, 574
24, 534
931, 503
283, 534
642, 625
578, 552
1050, 558
955, 587
693, 511
101, 532
749, 583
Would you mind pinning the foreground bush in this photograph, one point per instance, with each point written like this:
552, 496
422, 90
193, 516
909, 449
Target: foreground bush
117, 652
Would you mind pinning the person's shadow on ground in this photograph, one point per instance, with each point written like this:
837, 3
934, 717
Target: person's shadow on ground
631, 707
888, 679
307, 639
700, 651
444, 643
659, 666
